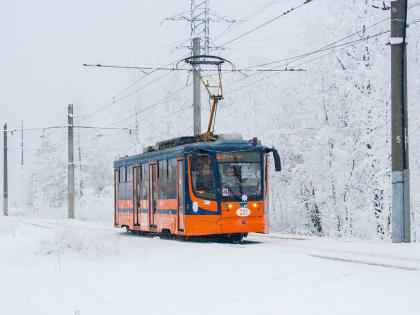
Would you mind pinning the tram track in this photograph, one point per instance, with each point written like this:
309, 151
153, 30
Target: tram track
379, 254
339, 251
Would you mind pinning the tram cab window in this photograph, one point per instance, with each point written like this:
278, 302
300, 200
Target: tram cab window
240, 174
202, 176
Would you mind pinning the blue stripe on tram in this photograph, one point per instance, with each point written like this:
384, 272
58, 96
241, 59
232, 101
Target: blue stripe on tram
125, 210
141, 211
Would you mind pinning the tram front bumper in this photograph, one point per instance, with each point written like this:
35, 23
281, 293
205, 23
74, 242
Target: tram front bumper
241, 225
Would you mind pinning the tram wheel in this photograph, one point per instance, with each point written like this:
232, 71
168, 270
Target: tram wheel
236, 238
128, 230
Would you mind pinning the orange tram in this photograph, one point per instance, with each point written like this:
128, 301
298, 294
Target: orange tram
190, 188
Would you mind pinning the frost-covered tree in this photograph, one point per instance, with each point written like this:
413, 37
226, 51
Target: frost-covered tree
46, 184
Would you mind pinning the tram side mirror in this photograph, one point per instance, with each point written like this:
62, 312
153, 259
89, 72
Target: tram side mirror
194, 159
276, 156
277, 161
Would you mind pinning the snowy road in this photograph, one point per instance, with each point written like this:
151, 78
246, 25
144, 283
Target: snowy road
59, 267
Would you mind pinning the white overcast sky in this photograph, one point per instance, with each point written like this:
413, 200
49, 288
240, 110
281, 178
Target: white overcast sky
45, 43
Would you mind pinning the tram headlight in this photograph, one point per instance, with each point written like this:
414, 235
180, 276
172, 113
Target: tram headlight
255, 205
230, 206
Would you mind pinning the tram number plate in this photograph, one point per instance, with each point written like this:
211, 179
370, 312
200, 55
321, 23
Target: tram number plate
243, 212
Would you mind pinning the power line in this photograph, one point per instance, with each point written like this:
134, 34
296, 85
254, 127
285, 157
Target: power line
344, 45
63, 127
324, 48
144, 50
293, 59
268, 22
104, 128
247, 18
330, 45
184, 69
169, 69
333, 51
37, 129
154, 104
151, 19
157, 79
114, 100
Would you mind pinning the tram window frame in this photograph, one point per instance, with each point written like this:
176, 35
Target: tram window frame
163, 169
224, 162
123, 171
172, 168
171, 180
129, 174
144, 194
122, 181
167, 179
137, 186
266, 161
128, 184
161, 179
206, 196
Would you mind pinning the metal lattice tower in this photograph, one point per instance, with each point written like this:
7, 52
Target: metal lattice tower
199, 16
200, 23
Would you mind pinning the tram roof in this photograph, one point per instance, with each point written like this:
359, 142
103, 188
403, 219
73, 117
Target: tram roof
176, 151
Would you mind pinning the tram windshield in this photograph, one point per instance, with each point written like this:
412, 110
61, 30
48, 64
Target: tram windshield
240, 175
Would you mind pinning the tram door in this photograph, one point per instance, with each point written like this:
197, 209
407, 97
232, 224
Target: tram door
152, 193
116, 194
137, 192
180, 184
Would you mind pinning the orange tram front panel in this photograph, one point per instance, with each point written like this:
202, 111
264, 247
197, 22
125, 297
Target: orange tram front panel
159, 192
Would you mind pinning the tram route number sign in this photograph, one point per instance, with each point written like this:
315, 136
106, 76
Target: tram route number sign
243, 212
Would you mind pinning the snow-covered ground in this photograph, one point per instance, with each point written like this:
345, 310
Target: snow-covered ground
79, 267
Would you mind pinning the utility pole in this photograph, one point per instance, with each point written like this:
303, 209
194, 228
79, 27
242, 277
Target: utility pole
70, 178
196, 91
199, 18
5, 188
401, 229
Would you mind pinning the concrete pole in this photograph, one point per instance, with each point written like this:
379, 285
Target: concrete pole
5, 186
401, 227
70, 177
197, 91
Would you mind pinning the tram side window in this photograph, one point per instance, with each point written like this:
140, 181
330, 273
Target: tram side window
202, 176
137, 185
123, 175
128, 184
125, 183
171, 185
162, 178
167, 179
144, 182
